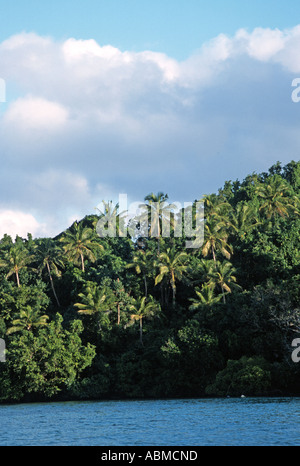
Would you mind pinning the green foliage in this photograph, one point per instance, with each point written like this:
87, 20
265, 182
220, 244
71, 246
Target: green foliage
247, 376
190, 359
44, 363
89, 317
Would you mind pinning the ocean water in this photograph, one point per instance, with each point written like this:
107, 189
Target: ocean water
184, 422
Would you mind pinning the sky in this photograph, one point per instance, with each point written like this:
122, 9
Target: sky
135, 96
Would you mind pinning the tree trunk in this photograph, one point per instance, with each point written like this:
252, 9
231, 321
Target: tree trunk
173, 289
17, 277
213, 253
82, 262
224, 300
158, 239
52, 284
141, 331
174, 293
119, 314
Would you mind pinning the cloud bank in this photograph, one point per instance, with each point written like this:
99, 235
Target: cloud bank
85, 122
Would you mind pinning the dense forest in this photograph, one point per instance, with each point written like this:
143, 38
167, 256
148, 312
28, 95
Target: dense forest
87, 317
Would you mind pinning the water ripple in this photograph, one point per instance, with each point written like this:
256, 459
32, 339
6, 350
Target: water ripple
247, 421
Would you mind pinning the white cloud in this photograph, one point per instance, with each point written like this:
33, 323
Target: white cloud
78, 50
34, 113
263, 44
87, 115
14, 222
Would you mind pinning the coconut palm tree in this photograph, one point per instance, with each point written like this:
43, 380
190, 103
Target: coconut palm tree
15, 259
110, 220
223, 276
29, 318
160, 214
80, 242
92, 300
143, 309
275, 198
172, 265
216, 206
121, 298
244, 219
205, 297
142, 262
215, 238
49, 255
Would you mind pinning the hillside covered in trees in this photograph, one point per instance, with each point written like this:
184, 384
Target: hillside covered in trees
85, 317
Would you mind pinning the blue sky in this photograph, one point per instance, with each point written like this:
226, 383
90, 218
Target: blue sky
127, 96
175, 27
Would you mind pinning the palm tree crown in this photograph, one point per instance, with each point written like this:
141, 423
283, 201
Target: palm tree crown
92, 300
172, 265
205, 297
215, 238
80, 242
29, 319
222, 275
160, 215
275, 199
15, 259
143, 308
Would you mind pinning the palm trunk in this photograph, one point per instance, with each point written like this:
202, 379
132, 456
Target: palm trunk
82, 262
224, 300
158, 239
52, 284
173, 296
17, 277
118, 314
213, 253
173, 288
141, 331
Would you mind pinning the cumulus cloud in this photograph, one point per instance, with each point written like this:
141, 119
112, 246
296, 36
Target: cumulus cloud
15, 223
88, 121
35, 113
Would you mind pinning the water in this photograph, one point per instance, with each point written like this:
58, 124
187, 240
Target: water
240, 421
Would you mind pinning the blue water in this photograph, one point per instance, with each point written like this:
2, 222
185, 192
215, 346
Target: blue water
230, 421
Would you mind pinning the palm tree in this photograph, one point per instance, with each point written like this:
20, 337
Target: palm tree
223, 276
143, 309
49, 256
120, 298
205, 297
160, 214
244, 220
142, 263
110, 220
15, 259
215, 205
29, 318
172, 265
275, 199
80, 242
215, 238
92, 301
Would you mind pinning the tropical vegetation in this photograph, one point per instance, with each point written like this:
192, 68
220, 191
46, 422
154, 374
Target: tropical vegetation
90, 317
